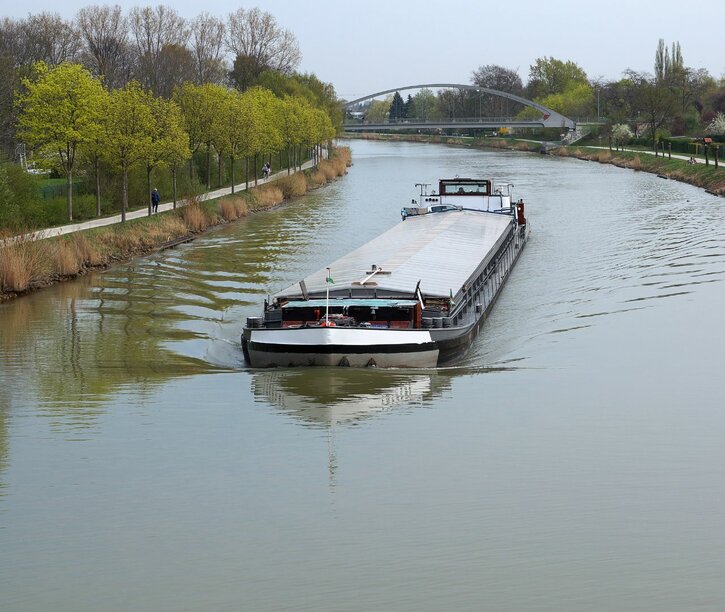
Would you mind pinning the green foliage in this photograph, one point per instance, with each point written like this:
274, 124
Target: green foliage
397, 108
377, 111
62, 108
549, 76
8, 205
425, 103
575, 101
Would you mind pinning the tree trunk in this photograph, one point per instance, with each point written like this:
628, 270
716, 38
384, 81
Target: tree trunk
219, 170
97, 167
148, 188
173, 182
256, 161
289, 160
124, 195
707, 156
246, 171
191, 169
69, 193
208, 167
231, 159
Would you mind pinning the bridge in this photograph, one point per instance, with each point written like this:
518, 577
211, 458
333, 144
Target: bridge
549, 117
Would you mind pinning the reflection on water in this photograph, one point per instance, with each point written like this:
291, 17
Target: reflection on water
343, 396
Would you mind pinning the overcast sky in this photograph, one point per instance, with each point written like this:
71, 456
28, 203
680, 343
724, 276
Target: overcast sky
371, 45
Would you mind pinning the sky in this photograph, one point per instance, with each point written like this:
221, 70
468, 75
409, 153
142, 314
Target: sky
373, 45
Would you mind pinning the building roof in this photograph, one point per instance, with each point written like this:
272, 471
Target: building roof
441, 250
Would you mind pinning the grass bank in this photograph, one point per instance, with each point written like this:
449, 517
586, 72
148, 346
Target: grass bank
707, 177
30, 264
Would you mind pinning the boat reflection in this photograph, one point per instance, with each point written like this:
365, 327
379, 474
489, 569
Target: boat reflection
344, 396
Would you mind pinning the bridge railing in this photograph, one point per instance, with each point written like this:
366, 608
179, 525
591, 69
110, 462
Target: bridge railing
503, 120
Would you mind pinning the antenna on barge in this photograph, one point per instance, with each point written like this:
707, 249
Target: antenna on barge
423, 189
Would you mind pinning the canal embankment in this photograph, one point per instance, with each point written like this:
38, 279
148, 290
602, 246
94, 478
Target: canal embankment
706, 176
32, 261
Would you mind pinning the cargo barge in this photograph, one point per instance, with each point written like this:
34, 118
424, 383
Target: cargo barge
415, 296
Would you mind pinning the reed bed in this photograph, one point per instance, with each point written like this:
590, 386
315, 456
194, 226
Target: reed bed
22, 264
317, 179
233, 208
266, 196
29, 264
292, 186
194, 217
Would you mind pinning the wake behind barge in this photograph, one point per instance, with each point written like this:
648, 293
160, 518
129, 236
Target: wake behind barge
415, 296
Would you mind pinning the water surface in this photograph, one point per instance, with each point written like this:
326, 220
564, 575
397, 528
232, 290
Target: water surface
572, 460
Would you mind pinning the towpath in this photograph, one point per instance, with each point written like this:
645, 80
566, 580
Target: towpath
136, 214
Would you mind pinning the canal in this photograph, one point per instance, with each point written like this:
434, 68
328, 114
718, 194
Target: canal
574, 459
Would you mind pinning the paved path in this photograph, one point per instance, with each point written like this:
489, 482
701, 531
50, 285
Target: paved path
136, 214
700, 160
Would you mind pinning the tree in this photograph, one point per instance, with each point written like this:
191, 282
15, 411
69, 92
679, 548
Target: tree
499, 78
104, 32
152, 30
245, 72
9, 79
175, 65
48, 38
654, 101
234, 127
410, 111
257, 35
575, 101
425, 103
292, 114
207, 46
377, 111
717, 125
621, 134
59, 112
265, 118
167, 141
129, 125
552, 76
397, 108
198, 105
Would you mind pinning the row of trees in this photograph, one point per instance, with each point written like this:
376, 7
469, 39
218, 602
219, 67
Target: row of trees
676, 98
66, 115
159, 49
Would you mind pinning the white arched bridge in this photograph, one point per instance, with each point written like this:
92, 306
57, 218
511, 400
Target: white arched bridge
549, 118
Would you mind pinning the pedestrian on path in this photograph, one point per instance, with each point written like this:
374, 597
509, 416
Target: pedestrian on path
266, 170
155, 199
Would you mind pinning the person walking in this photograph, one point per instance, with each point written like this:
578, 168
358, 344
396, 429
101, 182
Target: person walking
155, 199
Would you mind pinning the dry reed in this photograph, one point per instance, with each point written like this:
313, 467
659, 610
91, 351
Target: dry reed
233, 208
23, 263
65, 257
266, 196
317, 179
604, 157
292, 186
194, 217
